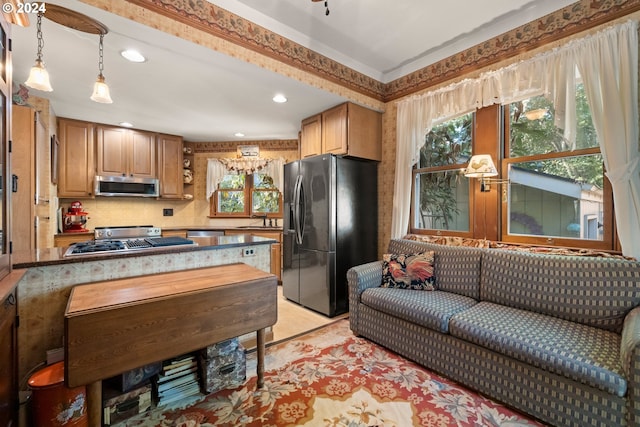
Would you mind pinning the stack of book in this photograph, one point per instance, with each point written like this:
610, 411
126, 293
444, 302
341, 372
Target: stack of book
177, 380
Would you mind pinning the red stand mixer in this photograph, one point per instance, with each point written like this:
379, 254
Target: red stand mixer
75, 219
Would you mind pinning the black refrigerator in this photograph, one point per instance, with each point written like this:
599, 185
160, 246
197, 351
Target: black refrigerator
330, 225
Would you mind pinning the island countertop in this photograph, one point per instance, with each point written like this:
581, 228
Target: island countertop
52, 256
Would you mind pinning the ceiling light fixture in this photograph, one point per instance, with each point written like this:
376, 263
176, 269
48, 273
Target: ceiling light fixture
133, 55
76, 21
126, 124
326, 6
38, 76
280, 98
100, 88
239, 134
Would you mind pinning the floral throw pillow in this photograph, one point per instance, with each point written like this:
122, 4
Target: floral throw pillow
408, 271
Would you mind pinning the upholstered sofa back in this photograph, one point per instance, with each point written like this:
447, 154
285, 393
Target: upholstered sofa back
456, 268
593, 291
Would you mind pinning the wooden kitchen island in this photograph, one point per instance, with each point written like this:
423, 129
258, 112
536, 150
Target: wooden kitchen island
115, 326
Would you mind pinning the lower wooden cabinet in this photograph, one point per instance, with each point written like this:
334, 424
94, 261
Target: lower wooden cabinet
276, 248
64, 240
8, 359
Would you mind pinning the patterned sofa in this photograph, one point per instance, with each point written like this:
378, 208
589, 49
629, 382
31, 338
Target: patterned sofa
555, 336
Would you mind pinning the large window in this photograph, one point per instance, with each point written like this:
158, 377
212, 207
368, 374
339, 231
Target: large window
246, 195
441, 192
557, 188
557, 192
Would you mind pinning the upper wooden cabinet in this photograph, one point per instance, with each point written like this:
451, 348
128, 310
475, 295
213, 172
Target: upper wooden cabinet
346, 129
352, 130
125, 152
76, 163
170, 166
311, 136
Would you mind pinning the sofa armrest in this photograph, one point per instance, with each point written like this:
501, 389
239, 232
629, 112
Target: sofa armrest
359, 279
630, 360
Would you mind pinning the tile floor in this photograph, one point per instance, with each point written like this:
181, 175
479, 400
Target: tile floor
294, 319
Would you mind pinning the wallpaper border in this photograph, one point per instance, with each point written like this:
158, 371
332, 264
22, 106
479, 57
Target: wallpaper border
214, 20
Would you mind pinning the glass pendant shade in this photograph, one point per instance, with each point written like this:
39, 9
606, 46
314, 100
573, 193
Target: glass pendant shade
101, 91
39, 77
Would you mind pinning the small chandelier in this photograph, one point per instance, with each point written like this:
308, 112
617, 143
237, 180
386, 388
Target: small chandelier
100, 88
38, 76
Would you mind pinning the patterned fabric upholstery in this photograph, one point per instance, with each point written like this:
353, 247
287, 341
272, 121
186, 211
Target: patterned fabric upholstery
457, 268
571, 368
429, 309
583, 353
593, 291
553, 399
359, 279
630, 357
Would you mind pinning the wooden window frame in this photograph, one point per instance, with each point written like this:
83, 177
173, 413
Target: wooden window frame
248, 203
608, 242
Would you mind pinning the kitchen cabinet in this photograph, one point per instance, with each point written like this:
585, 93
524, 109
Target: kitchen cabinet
174, 233
9, 349
125, 152
65, 240
170, 166
311, 136
276, 248
29, 141
352, 130
76, 161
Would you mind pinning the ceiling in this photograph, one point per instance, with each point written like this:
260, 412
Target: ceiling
203, 95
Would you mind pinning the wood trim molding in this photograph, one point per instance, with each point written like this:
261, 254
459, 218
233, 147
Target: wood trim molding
580, 16
221, 23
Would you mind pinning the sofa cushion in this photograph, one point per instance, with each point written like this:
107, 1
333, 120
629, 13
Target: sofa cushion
579, 352
408, 271
429, 309
457, 269
594, 291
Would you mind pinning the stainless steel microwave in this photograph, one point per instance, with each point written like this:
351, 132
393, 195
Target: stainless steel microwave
126, 186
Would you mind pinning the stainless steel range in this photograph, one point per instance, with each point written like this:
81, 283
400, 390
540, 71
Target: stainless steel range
126, 239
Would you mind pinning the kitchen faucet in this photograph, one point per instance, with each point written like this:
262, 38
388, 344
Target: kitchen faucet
264, 218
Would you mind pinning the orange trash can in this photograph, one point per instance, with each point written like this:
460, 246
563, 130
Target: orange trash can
53, 404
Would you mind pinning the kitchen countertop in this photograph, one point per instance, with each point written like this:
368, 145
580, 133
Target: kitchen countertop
89, 234
51, 256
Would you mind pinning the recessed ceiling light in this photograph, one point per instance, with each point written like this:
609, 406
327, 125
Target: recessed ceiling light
279, 98
126, 124
239, 134
133, 55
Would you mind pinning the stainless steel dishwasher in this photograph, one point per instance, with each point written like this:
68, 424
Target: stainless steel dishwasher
204, 233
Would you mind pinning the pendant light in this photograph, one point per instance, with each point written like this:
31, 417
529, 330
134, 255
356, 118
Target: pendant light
100, 88
38, 76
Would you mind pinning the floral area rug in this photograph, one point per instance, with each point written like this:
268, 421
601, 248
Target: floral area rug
332, 378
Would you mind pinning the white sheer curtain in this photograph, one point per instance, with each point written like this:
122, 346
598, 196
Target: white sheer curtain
607, 63
215, 174
275, 169
416, 117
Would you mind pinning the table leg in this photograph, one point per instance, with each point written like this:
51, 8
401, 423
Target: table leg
94, 404
260, 351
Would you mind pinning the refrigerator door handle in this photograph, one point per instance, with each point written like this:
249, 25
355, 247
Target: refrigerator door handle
296, 209
302, 212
